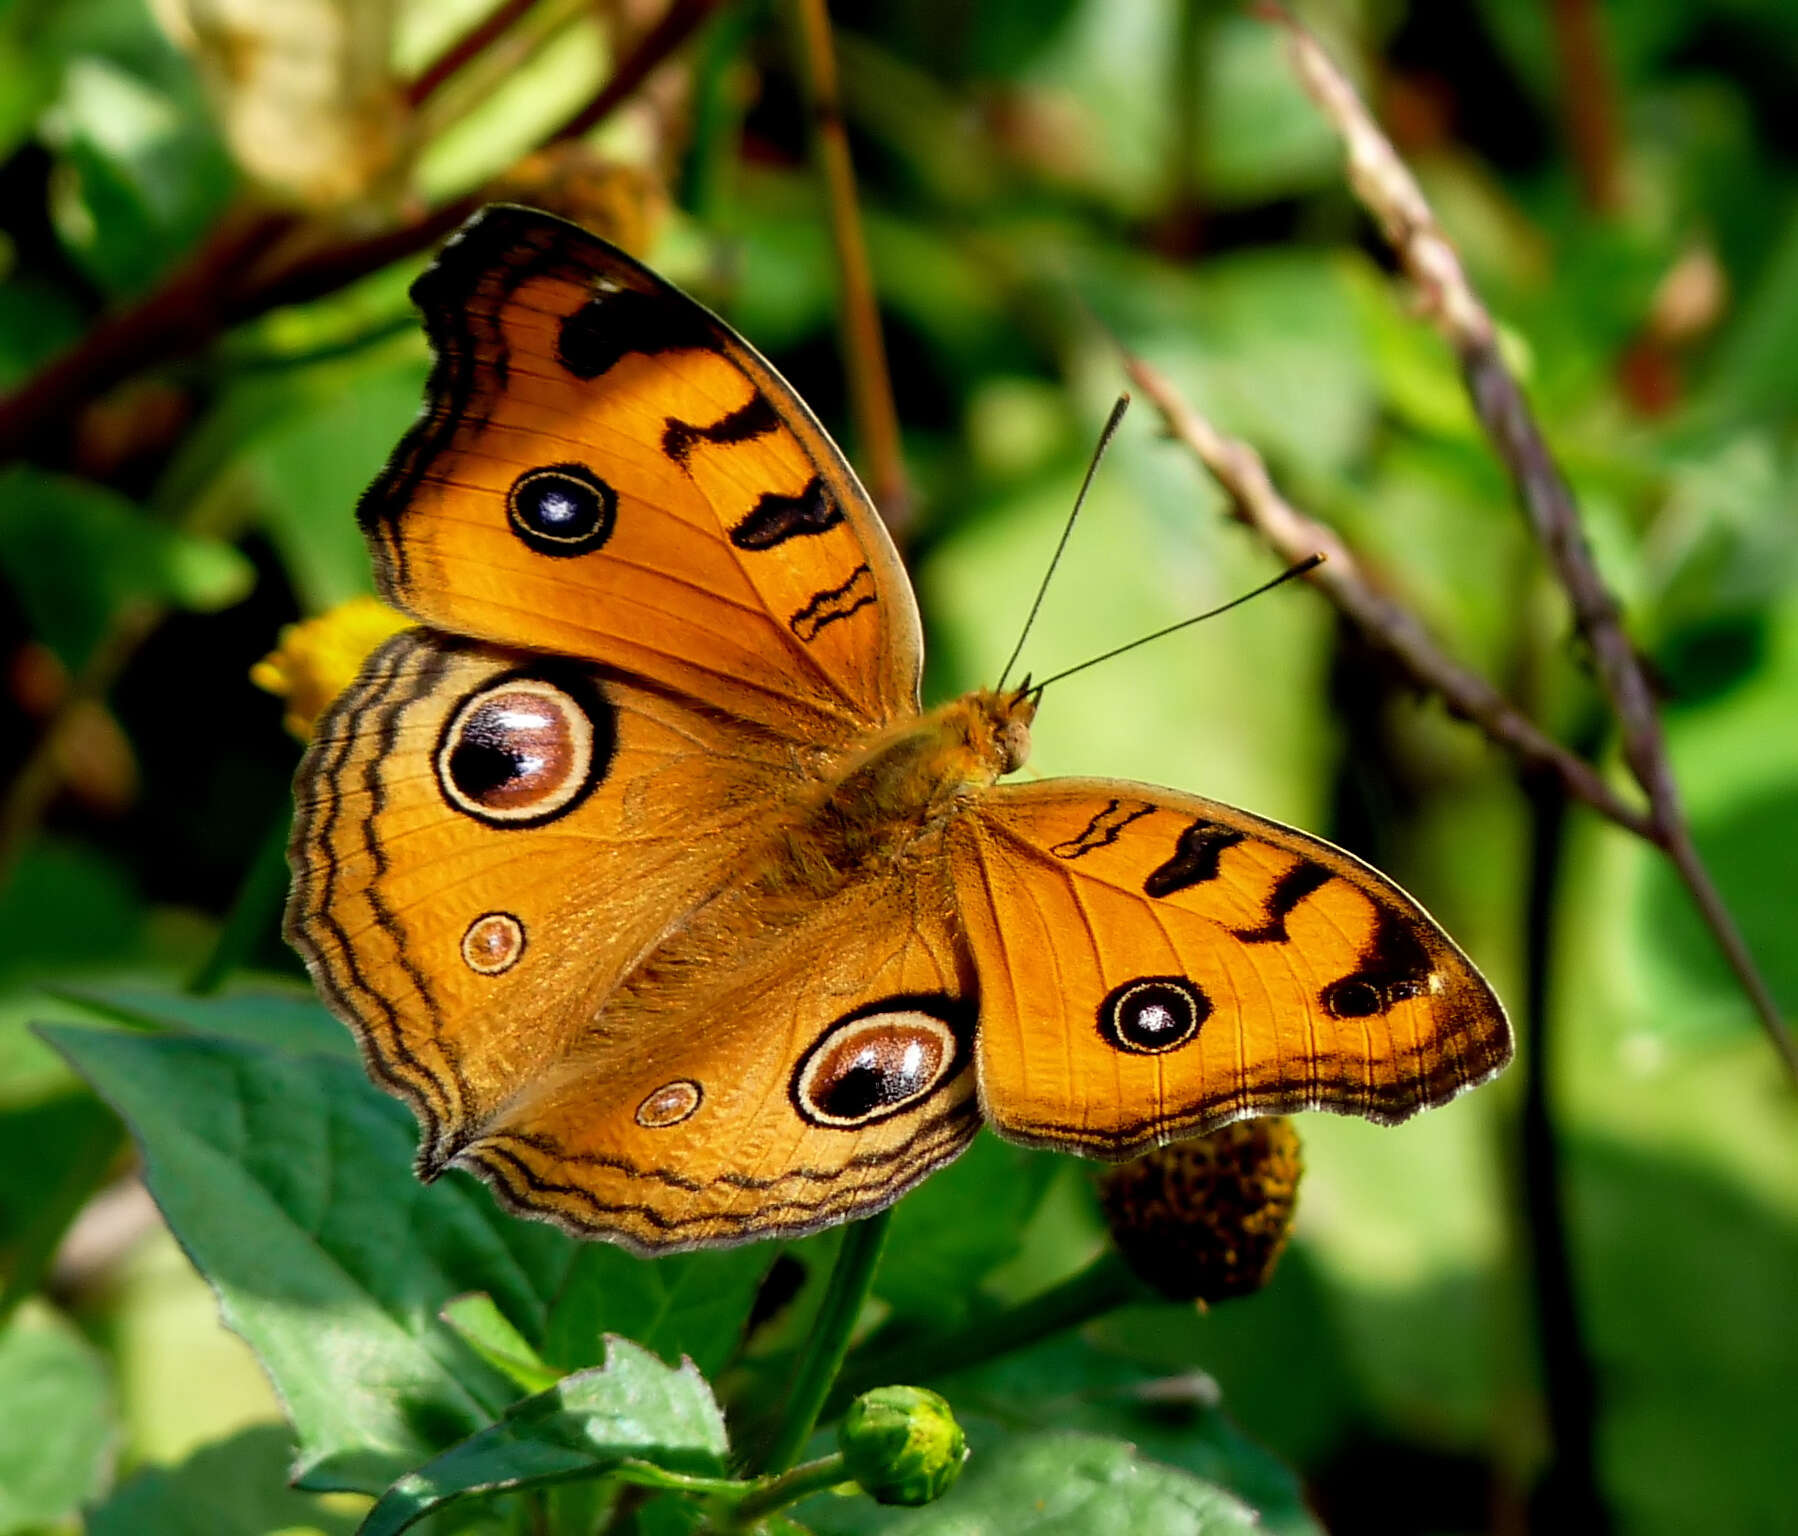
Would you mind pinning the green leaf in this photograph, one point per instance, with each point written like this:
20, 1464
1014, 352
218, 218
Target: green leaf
258, 1013
235, 1487
1068, 1383
77, 554
287, 1179
145, 171
935, 1258
57, 1403
633, 1414
690, 1304
1052, 1484
491, 1335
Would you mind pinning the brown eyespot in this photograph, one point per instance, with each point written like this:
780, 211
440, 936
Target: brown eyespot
670, 1104
878, 1061
523, 750
493, 943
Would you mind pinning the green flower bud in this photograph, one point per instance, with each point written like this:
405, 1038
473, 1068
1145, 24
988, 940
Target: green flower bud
902, 1445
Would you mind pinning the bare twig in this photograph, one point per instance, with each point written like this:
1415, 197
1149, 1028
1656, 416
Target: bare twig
466, 48
225, 282
176, 316
1394, 629
1589, 101
870, 384
1388, 190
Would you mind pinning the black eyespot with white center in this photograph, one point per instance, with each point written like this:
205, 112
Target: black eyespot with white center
881, 1059
1153, 1014
526, 747
562, 509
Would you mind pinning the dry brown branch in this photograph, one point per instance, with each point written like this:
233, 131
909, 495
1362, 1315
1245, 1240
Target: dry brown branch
1239, 470
466, 49
870, 384
1390, 193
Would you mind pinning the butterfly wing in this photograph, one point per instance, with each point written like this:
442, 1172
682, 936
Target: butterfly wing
485, 841
664, 1038
778, 1065
1153, 965
606, 470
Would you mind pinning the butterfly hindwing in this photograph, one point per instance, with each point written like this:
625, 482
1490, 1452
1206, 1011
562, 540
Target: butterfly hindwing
485, 841
603, 469
776, 1066
1153, 965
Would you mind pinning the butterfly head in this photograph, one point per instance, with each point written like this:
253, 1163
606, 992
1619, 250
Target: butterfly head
996, 726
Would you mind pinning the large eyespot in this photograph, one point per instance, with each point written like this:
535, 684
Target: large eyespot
880, 1060
523, 750
562, 509
1153, 1014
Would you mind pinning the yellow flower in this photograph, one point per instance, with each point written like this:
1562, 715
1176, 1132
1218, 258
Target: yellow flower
318, 658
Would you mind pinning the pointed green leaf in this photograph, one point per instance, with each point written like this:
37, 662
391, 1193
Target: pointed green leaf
633, 1415
491, 1335
287, 1178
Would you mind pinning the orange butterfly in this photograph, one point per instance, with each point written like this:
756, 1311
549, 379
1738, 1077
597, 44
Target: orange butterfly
638, 870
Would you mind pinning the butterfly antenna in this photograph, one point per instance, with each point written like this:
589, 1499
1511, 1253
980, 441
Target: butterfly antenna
1105, 437
1302, 568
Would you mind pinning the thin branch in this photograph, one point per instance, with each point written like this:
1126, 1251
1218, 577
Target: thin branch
178, 315
1387, 625
225, 283
1391, 194
1589, 105
679, 22
466, 48
870, 383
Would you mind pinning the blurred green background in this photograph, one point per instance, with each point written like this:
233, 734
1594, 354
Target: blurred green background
1036, 177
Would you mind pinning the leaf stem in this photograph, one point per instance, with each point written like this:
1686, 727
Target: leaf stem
823, 1355
764, 1498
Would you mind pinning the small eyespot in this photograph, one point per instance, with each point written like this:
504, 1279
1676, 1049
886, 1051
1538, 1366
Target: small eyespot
873, 1064
524, 750
493, 943
1354, 998
670, 1104
562, 509
1153, 1014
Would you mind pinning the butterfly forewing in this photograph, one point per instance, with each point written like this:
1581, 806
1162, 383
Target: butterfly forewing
1153, 965
605, 470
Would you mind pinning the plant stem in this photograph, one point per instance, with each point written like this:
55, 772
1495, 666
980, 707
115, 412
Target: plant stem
1103, 1286
864, 348
801, 1482
1568, 1496
822, 1357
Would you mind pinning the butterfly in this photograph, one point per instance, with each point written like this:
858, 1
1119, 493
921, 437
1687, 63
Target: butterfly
639, 872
